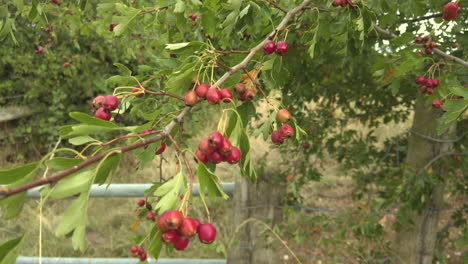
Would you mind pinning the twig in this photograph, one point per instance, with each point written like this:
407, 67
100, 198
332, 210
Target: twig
275, 5
441, 155
182, 153
163, 93
423, 17
128, 136
436, 50
232, 51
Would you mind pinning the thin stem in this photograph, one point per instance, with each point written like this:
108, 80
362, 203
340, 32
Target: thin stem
163, 93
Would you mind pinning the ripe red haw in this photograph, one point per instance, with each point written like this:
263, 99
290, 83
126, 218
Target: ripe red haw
205, 147
234, 156
286, 131
213, 96
283, 116
97, 101
181, 242
200, 156
174, 219
161, 148
202, 89
450, 11
420, 80
188, 227
111, 102
282, 48
269, 46
112, 26
151, 216
206, 233
190, 98
103, 114
215, 157
239, 88
215, 139
226, 95
141, 202
169, 237
139, 91
436, 103
277, 138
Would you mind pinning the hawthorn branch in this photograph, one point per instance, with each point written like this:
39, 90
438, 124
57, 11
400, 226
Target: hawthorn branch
182, 153
435, 50
231, 51
423, 17
275, 5
163, 93
165, 132
128, 136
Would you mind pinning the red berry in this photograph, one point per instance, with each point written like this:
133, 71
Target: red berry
174, 219
193, 17
216, 140
234, 156
162, 225
419, 40
141, 251
206, 233
420, 53
450, 11
430, 90
248, 95
169, 237
141, 202
226, 95
436, 82
57, 2
103, 114
188, 227
423, 89
39, 49
190, 98
139, 91
420, 80
134, 248
197, 222
143, 256
215, 157
151, 216
286, 131
432, 44
97, 101
430, 82
181, 242
239, 88
226, 147
269, 46
200, 156
111, 102
428, 51
112, 26
282, 48
283, 116
205, 147
339, 3
213, 96
202, 89
277, 138
436, 103
161, 148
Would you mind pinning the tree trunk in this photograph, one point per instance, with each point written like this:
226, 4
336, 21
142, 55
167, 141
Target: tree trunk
415, 242
255, 200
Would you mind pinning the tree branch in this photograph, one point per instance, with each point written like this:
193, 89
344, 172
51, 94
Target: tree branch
165, 132
163, 93
423, 17
436, 50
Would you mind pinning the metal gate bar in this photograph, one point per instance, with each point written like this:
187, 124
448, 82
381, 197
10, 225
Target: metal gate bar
128, 190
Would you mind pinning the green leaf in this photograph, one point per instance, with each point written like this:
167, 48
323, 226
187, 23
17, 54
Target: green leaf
402, 40
246, 111
209, 21
9, 248
108, 167
89, 120
76, 183
177, 46
209, 182
246, 163
123, 70
156, 243
147, 155
83, 129
15, 174
460, 90
79, 238
234, 128
74, 216
180, 80
77, 141
169, 200
62, 163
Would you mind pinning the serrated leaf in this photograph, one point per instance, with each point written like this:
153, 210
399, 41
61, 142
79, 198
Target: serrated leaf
147, 155
108, 167
169, 200
9, 249
74, 184
460, 91
79, 238
124, 71
177, 46
209, 182
62, 163
89, 120
209, 21
77, 141
15, 174
74, 216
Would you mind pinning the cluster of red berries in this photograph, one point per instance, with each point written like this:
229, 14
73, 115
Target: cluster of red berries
216, 148
450, 11
342, 3
428, 85
286, 131
103, 105
245, 94
428, 45
177, 229
280, 48
139, 251
205, 91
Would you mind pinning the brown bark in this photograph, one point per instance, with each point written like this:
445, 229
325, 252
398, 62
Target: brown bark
255, 200
415, 243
